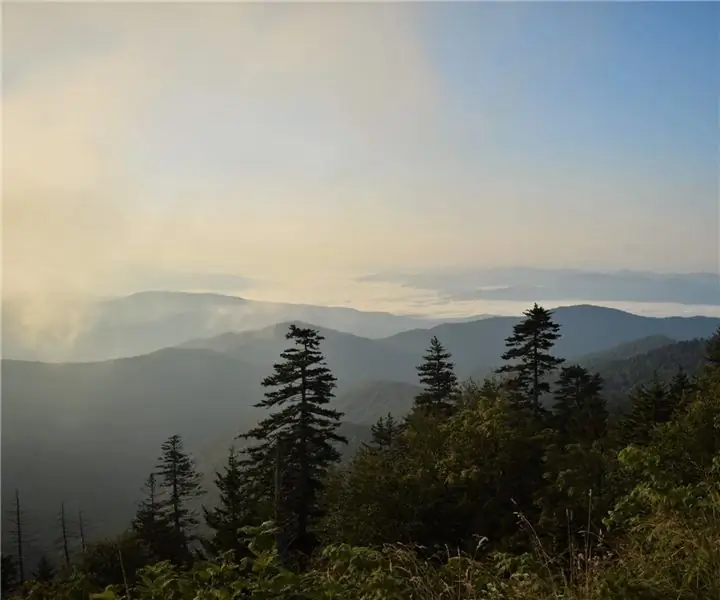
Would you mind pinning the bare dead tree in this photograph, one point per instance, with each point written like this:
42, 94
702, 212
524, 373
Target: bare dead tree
64, 529
19, 537
81, 529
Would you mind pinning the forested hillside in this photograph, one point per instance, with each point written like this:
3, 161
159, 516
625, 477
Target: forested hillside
517, 487
67, 425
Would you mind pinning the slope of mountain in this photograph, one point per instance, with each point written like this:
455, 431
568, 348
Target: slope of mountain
353, 359
622, 375
148, 321
368, 402
626, 350
88, 433
585, 329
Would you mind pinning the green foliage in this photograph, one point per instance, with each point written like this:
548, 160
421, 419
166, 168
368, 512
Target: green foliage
152, 525
649, 405
712, 350
115, 560
579, 411
9, 573
295, 445
528, 357
45, 571
386, 432
180, 482
232, 512
488, 502
437, 376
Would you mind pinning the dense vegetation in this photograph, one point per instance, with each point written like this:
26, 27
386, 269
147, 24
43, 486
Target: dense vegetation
516, 488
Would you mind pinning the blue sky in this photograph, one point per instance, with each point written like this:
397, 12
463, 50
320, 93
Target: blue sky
304, 146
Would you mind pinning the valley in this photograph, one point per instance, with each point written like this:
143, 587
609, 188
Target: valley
87, 433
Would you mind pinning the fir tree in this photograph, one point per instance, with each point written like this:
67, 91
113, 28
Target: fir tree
649, 405
385, 432
712, 350
440, 384
232, 513
302, 431
529, 358
45, 571
181, 483
151, 524
9, 574
679, 390
579, 411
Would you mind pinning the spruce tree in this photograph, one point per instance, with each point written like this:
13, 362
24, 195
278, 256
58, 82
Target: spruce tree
181, 483
302, 432
712, 350
579, 411
151, 524
385, 432
437, 376
529, 359
679, 389
233, 512
9, 575
45, 571
650, 404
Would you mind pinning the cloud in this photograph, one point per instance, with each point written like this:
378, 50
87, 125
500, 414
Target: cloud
293, 147
530, 285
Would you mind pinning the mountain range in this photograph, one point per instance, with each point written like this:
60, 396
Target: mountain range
88, 433
81, 329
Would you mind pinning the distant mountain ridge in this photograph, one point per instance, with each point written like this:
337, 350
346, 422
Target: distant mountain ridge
147, 321
90, 432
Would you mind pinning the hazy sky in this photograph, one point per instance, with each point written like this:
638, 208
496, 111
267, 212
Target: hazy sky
300, 147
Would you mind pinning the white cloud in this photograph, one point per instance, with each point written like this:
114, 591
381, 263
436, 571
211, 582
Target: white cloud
302, 144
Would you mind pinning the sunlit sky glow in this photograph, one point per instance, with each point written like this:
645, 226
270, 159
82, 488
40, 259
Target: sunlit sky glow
302, 146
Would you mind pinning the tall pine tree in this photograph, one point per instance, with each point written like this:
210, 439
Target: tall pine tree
151, 524
529, 358
579, 411
181, 483
680, 389
9, 574
302, 432
233, 512
385, 432
45, 572
712, 350
650, 404
437, 376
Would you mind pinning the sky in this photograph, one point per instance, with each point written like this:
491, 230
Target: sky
298, 152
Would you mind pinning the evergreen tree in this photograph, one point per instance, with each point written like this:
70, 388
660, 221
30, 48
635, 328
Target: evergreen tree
679, 390
151, 524
529, 358
579, 411
9, 575
712, 350
233, 512
649, 405
45, 571
181, 483
440, 384
299, 436
385, 432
